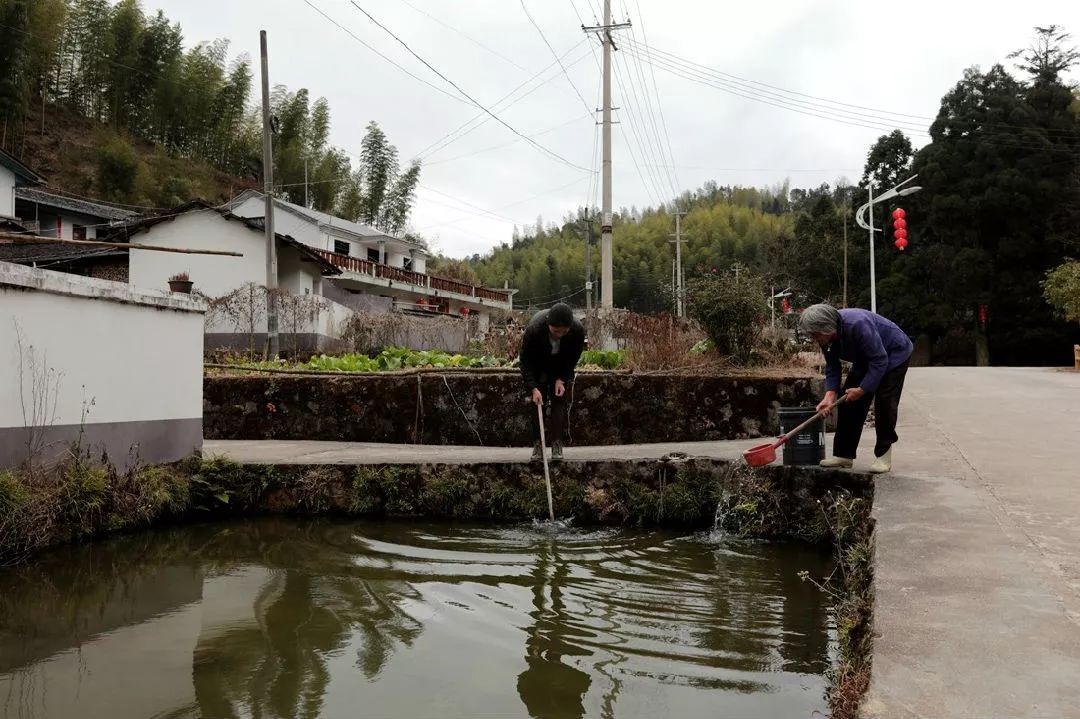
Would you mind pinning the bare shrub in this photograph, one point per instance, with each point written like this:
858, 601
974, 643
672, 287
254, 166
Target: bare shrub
370, 333
658, 342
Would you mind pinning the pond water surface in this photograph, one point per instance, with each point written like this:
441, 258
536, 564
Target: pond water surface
307, 618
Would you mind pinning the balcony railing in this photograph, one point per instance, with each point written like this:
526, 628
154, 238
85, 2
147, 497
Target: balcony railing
399, 274
353, 264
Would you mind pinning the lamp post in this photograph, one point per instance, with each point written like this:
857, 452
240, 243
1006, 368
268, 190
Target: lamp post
898, 191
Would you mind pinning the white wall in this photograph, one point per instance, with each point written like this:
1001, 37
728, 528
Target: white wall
7, 192
68, 222
299, 278
135, 355
285, 223
213, 275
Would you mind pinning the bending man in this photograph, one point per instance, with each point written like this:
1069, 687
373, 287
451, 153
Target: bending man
878, 351
550, 349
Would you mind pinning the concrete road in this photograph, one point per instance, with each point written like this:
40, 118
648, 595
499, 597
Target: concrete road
978, 548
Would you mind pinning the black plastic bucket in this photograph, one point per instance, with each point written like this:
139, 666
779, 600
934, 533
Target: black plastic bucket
808, 446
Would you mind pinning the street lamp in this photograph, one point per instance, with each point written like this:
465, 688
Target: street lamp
898, 191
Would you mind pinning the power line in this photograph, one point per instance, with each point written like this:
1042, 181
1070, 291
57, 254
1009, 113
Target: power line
647, 106
465, 35
556, 56
745, 85
655, 191
881, 125
504, 123
503, 207
353, 35
656, 90
467, 204
506, 144
459, 132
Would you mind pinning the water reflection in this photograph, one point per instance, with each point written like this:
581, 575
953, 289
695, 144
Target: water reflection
283, 618
550, 687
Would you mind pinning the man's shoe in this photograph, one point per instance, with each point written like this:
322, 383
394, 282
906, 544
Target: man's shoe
538, 453
836, 463
882, 464
556, 451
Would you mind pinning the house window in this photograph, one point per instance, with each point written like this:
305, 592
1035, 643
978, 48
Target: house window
341, 247
373, 254
78, 232
407, 263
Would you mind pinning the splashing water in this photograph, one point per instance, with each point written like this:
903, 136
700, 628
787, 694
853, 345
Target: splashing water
721, 511
551, 528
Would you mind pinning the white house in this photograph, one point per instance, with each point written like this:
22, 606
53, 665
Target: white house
373, 262
66, 218
26, 210
13, 174
237, 320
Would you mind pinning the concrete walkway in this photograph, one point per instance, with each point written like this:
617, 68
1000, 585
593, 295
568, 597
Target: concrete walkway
306, 452
978, 538
978, 548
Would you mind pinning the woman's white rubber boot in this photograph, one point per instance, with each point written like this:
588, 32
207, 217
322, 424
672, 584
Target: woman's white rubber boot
836, 463
882, 464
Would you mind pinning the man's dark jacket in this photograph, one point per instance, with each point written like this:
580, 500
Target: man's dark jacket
536, 360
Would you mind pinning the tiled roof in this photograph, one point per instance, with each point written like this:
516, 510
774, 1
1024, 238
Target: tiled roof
20, 169
71, 204
323, 218
126, 231
26, 253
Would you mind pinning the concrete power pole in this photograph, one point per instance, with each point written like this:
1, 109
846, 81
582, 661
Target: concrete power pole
588, 264
678, 264
606, 293
845, 253
271, 350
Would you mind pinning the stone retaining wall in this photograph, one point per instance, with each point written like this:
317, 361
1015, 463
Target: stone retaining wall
773, 502
488, 408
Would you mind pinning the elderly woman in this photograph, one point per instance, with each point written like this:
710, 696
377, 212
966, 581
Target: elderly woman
878, 351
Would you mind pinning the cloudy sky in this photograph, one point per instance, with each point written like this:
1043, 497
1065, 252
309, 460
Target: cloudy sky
766, 105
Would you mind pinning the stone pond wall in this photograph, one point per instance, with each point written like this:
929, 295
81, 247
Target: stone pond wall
772, 502
488, 408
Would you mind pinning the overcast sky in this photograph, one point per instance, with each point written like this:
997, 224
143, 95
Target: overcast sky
882, 57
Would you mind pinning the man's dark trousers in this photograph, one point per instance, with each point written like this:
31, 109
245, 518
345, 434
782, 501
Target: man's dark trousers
555, 409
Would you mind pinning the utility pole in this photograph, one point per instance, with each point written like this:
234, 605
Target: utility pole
606, 296
271, 348
873, 277
845, 253
588, 264
306, 203
678, 264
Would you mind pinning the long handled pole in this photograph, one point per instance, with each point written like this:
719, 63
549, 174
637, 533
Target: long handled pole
543, 453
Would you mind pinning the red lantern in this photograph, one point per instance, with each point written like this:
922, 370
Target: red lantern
786, 305
899, 228
982, 315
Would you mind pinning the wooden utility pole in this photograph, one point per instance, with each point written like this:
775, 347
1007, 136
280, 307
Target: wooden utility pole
271, 349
